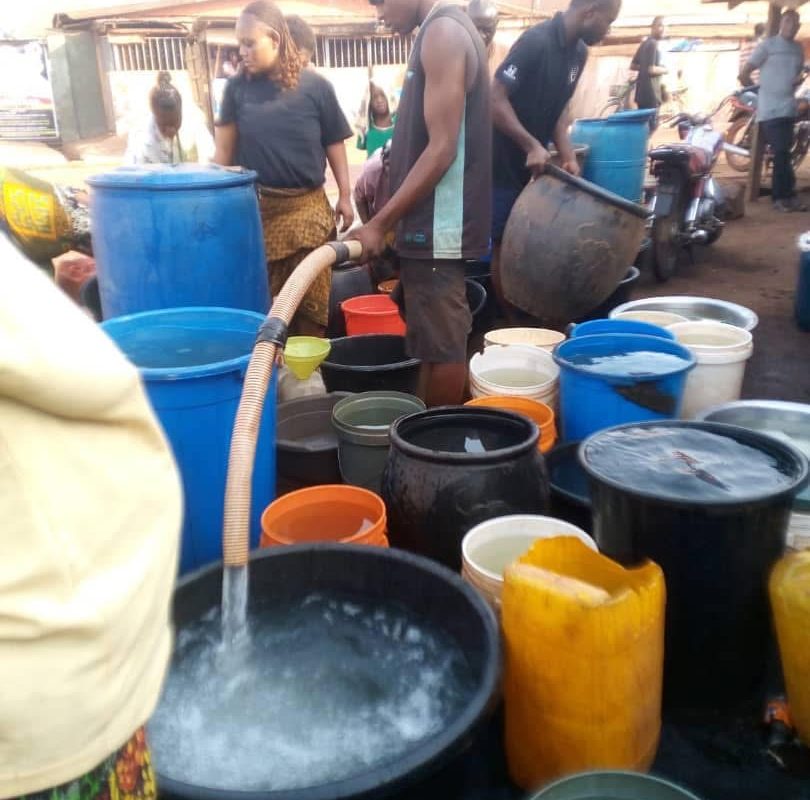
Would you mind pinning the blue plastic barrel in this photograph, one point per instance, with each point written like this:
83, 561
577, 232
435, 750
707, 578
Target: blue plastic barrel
177, 236
617, 159
593, 400
596, 326
193, 362
802, 301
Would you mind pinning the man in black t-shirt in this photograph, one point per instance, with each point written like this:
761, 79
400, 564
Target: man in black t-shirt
647, 62
530, 95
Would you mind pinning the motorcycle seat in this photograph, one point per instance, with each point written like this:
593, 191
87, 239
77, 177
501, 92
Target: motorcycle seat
696, 158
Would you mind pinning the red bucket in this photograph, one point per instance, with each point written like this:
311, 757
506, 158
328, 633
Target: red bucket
372, 313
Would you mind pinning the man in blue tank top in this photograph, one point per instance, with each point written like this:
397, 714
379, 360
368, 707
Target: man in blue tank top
440, 183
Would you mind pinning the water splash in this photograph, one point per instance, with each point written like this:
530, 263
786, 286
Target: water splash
234, 605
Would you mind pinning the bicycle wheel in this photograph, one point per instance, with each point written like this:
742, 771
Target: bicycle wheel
740, 133
611, 107
801, 143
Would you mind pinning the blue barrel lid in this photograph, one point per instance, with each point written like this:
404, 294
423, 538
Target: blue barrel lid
634, 117
156, 177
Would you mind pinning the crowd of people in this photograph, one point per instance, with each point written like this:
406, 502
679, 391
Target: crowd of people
446, 164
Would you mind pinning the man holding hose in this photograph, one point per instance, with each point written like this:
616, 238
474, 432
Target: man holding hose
440, 179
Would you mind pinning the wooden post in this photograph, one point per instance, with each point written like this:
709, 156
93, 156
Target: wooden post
758, 141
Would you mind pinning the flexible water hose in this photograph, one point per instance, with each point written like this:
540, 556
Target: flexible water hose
272, 336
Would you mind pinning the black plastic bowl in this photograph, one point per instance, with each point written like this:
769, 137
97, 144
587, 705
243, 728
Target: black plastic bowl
568, 481
429, 590
306, 442
621, 294
369, 363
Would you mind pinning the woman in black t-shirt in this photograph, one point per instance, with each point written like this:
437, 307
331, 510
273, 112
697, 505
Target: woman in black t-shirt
285, 123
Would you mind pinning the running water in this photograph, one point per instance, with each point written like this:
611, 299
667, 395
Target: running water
234, 605
326, 687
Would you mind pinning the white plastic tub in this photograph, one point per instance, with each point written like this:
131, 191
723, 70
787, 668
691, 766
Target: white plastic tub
722, 352
515, 371
489, 548
544, 338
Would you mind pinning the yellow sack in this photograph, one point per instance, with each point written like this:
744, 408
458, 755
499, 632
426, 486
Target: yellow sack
584, 662
34, 215
790, 599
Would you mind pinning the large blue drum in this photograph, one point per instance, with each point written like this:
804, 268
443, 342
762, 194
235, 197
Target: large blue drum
617, 159
177, 236
193, 363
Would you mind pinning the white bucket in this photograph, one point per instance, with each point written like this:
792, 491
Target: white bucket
489, 548
663, 318
721, 351
544, 338
484, 377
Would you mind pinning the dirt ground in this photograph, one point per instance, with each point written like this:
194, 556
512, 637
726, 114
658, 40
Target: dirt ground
755, 264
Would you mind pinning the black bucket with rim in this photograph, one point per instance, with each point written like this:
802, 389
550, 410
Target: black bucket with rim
710, 504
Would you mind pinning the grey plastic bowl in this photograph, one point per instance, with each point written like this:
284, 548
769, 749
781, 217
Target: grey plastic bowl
362, 422
695, 308
767, 416
613, 786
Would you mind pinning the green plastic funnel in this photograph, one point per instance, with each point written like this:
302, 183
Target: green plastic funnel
304, 354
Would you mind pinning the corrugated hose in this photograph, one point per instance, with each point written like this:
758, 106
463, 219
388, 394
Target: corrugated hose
269, 344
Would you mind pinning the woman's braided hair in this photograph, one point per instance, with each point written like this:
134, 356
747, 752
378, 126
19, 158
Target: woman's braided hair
289, 61
164, 96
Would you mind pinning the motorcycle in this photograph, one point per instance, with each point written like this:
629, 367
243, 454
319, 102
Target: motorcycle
742, 119
687, 199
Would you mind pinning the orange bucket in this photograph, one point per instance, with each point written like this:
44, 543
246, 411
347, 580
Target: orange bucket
329, 513
372, 313
539, 413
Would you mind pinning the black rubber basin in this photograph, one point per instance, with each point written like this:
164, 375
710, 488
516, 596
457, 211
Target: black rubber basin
568, 481
433, 593
621, 294
306, 443
370, 363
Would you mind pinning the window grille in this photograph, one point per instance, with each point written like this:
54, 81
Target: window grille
151, 54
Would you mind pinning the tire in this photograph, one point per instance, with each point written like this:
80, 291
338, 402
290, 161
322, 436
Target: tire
665, 241
739, 133
713, 237
798, 149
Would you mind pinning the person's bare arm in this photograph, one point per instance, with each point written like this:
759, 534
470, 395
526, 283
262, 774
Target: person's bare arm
507, 122
562, 140
657, 71
444, 59
757, 59
338, 161
225, 137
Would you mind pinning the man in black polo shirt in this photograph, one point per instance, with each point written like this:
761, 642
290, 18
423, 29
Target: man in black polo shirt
530, 94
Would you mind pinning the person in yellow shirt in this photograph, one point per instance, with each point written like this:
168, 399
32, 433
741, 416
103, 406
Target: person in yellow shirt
90, 515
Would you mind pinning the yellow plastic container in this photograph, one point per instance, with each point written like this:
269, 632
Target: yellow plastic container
584, 662
790, 599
